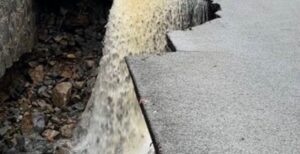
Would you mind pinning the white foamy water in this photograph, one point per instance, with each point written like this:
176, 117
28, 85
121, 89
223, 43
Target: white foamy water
113, 122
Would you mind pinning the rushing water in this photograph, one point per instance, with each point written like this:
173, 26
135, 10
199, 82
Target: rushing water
113, 122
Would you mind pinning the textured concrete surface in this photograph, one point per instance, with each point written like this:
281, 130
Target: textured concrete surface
17, 29
216, 102
252, 27
239, 92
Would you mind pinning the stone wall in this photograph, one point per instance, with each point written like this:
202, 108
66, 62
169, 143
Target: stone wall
17, 30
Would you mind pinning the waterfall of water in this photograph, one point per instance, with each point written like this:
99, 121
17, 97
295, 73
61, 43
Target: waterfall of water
113, 121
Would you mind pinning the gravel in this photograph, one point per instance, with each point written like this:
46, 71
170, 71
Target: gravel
68, 51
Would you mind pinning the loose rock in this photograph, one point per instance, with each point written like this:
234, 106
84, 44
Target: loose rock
3, 130
62, 94
38, 120
50, 135
79, 84
90, 63
71, 56
62, 150
37, 98
44, 105
67, 130
42, 91
3, 97
67, 72
37, 74
27, 124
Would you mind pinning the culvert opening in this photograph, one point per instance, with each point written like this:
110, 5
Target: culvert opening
43, 95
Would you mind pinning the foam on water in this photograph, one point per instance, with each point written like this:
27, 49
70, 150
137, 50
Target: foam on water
113, 122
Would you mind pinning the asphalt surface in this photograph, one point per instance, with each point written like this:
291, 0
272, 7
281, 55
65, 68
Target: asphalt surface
233, 86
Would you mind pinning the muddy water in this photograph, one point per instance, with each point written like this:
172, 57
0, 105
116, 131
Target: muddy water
113, 122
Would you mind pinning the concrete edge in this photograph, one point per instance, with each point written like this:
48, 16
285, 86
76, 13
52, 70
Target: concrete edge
144, 112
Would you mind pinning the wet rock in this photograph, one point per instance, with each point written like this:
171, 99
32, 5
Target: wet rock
50, 125
50, 135
37, 74
79, 32
38, 120
4, 130
80, 73
52, 63
25, 104
3, 147
91, 82
79, 84
51, 20
56, 49
3, 97
34, 145
62, 150
90, 32
94, 72
62, 94
71, 56
19, 118
64, 42
58, 38
17, 87
27, 124
55, 119
68, 120
77, 21
79, 106
42, 90
67, 130
53, 75
83, 20
72, 42
79, 40
21, 144
61, 39
13, 113
43, 35
90, 63
44, 106
49, 82
75, 98
57, 110
66, 72
33, 64
12, 151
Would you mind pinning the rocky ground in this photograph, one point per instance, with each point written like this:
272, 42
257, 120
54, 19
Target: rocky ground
43, 95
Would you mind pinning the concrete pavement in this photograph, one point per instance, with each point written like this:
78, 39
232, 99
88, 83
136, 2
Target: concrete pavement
214, 102
233, 86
